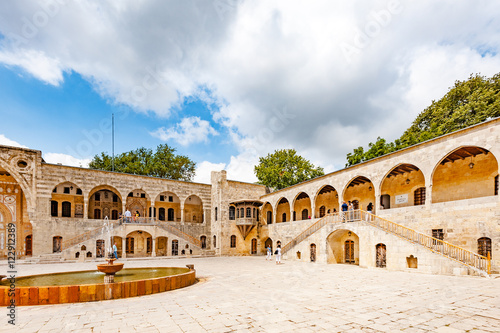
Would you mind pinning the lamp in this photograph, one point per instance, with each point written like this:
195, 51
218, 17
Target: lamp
471, 164
349, 234
407, 180
370, 188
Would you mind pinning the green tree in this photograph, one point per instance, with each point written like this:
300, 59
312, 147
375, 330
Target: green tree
467, 103
163, 163
284, 168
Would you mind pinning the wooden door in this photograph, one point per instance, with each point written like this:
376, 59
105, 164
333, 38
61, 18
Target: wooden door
129, 245
254, 246
349, 252
29, 246
381, 255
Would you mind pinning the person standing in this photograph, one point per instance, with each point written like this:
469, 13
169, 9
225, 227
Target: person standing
115, 250
344, 210
128, 215
278, 255
269, 252
369, 209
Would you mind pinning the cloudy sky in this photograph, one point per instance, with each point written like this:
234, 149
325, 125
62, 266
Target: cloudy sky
227, 81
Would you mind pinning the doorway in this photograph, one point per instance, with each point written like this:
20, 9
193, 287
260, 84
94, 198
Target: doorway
349, 252
381, 255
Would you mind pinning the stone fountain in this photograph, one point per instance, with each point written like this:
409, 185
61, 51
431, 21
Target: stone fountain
110, 268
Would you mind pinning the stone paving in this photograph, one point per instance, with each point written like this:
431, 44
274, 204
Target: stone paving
250, 294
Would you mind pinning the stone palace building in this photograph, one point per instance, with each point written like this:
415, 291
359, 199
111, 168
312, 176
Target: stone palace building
436, 210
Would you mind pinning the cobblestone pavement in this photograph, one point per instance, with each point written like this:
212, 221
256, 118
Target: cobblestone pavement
250, 294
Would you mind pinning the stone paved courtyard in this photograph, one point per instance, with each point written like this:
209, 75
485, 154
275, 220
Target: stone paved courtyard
249, 294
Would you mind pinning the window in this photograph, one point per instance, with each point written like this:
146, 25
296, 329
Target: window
115, 198
66, 209
175, 247
269, 217
53, 208
97, 213
258, 213
79, 191
305, 214
283, 217
249, 212
496, 185
114, 214
130, 195
233, 241
438, 234
419, 196
149, 244
215, 241
54, 190
242, 212
203, 240
322, 211
294, 215
171, 214
161, 214
162, 198
254, 213
143, 195
66, 190
484, 246
215, 213
170, 198
237, 213
231, 212
97, 197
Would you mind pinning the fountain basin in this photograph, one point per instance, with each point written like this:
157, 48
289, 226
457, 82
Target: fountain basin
110, 269
82, 292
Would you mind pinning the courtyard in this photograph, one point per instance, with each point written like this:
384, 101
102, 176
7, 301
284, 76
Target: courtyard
250, 294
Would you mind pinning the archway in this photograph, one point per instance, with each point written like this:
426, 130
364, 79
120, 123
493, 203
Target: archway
269, 243
102, 201
313, 252
203, 240
29, 245
326, 201
467, 172
283, 210
138, 244
403, 186
302, 206
267, 212
343, 247
100, 248
69, 197
137, 203
168, 206
193, 209
380, 260
161, 246
360, 189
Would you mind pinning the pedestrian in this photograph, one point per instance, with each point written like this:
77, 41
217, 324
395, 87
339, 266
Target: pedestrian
369, 209
128, 215
137, 215
269, 253
278, 255
344, 210
115, 250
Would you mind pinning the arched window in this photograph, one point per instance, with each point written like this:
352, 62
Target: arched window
419, 196
232, 212
269, 217
203, 240
53, 208
161, 214
97, 213
171, 214
215, 241
215, 213
66, 209
283, 217
322, 211
233, 241
484, 246
305, 214
249, 212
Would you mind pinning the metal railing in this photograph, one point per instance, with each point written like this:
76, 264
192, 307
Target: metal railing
439, 246
435, 245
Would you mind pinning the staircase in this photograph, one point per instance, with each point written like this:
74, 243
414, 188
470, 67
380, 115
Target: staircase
85, 236
179, 233
463, 256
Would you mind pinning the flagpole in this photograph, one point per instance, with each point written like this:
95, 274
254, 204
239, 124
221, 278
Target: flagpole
113, 141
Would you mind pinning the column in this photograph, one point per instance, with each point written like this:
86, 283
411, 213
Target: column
152, 217
182, 212
85, 208
124, 246
153, 247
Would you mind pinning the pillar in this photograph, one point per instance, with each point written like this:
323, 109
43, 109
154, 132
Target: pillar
152, 217
182, 212
124, 246
153, 247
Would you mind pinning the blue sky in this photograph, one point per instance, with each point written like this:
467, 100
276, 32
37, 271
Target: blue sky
225, 81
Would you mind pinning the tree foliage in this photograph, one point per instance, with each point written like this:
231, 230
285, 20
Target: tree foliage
163, 163
466, 103
284, 168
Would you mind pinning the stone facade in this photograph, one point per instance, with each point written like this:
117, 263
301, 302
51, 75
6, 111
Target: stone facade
446, 187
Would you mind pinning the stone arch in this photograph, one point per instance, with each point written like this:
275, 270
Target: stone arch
22, 183
339, 251
402, 180
168, 200
359, 188
302, 202
138, 243
267, 212
465, 172
327, 197
138, 201
193, 209
282, 210
104, 207
74, 195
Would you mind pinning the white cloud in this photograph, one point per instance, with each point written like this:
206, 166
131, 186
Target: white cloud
204, 169
189, 130
65, 159
257, 57
8, 142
